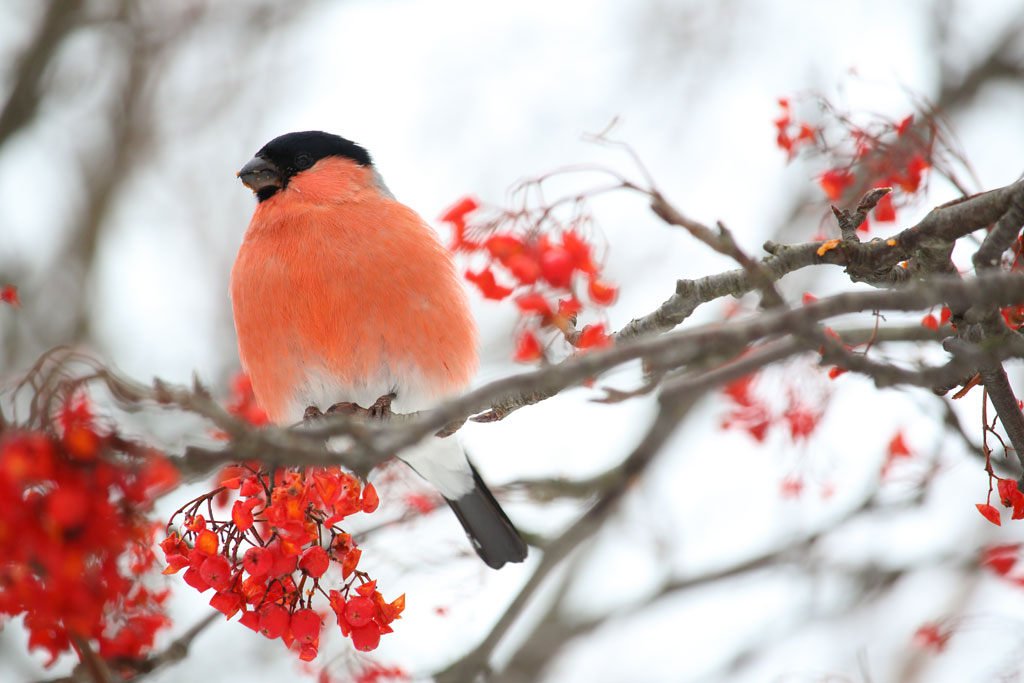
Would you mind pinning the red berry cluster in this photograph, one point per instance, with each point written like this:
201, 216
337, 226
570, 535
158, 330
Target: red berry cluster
545, 271
792, 135
1009, 496
368, 672
9, 295
885, 154
269, 560
1002, 559
74, 536
754, 414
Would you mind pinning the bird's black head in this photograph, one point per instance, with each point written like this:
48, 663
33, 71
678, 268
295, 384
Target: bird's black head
281, 158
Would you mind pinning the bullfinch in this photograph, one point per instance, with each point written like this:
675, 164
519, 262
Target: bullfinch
343, 294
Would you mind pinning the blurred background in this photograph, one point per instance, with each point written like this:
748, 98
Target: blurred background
122, 126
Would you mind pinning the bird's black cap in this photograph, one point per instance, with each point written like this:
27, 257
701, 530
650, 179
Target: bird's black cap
294, 152
284, 156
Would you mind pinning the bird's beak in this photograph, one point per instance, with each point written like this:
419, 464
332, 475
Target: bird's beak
261, 176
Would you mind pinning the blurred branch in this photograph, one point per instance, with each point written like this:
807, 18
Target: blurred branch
23, 100
556, 627
118, 128
176, 651
476, 662
1004, 61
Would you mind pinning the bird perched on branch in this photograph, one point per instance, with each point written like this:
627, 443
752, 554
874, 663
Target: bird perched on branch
343, 294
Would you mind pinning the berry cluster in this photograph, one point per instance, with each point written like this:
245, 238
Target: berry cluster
792, 135
74, 536
1010, 496
883, 154
368, 672
545, 269
879, 162
754, 414
270, 559
1002, 559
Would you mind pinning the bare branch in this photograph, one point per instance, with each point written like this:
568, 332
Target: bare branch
375, 441
937, 231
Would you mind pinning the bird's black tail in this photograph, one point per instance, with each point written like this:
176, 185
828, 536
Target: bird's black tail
493, 537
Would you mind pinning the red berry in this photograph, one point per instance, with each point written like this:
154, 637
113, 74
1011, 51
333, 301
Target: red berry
579, 250
227, 602
283, 564
257, 561
207, 542
569, 307
241, 514
502, 247
593, 337
457, 213
367, 637
524, 268
602, 292
314, 561
193, 578
305, 626
9, 295
556, 265
273, 621
67, 507
216, 571
527, 347
359, 611
348, 564
250, 620
370, 500
533, 302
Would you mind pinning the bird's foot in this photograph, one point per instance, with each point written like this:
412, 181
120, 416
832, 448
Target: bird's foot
344, 408
381, 408
311, 413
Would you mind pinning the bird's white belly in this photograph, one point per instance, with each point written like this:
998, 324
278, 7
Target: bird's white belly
441, 461
322, 389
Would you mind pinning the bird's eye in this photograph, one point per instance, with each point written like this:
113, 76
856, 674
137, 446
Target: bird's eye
303, 161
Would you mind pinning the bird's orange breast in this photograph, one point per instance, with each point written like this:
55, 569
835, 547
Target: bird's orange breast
338, 287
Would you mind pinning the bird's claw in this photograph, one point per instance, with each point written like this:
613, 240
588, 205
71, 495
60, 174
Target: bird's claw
381, 408
343, 408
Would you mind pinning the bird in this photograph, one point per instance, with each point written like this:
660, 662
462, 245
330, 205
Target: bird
340, 293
